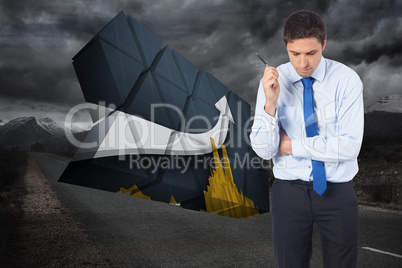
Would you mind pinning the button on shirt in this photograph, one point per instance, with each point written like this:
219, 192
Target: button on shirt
339, 111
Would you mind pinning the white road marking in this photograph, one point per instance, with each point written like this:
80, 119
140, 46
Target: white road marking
383, 252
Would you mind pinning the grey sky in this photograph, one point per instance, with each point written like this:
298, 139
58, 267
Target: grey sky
39, 38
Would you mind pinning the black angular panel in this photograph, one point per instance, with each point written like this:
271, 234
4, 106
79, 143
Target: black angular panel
124, 65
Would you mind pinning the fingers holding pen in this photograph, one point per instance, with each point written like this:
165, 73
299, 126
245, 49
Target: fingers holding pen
271, 88
271, 70
270, 73
270, 78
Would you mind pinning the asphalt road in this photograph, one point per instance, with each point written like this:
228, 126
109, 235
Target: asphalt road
133, 232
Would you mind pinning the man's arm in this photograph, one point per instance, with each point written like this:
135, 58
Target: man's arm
345, 145
264, 134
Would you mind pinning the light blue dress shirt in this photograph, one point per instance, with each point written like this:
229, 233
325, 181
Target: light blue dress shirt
339, 110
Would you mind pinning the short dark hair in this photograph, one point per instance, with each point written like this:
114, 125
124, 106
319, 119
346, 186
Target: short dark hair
304, 24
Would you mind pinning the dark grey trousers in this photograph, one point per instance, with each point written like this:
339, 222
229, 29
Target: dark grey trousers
296, 207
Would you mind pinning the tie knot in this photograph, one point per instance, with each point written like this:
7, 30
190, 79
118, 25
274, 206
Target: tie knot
307, 82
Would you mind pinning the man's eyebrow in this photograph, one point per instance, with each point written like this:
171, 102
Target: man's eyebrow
295, 52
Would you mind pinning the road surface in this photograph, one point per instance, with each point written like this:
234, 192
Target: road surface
136, 232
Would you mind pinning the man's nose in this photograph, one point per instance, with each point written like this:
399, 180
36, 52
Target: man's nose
303, 61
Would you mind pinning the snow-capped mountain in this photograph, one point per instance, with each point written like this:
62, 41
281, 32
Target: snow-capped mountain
389, 104
50, 126
26, 127
75, 127
1, 122
24, 132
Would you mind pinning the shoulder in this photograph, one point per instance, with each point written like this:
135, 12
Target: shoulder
345, 80
341, 72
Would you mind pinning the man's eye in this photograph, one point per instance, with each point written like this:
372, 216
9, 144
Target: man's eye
311, 53
295, 54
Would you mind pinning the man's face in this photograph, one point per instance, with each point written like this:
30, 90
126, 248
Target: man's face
305, 55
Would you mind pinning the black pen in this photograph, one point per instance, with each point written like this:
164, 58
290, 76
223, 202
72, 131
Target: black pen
266, 64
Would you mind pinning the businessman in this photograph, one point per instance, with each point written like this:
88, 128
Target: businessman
309, 119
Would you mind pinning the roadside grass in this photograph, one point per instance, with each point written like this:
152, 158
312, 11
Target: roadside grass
379, 181
12, 167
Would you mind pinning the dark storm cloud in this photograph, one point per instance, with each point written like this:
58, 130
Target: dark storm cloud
366, 35
79, 24
264, 18
371, 53
27, 72
368, 30
354, 20
42, 83
39, 38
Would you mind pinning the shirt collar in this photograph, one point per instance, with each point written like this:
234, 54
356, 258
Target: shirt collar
318, 74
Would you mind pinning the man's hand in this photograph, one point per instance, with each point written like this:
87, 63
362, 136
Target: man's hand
271, 89
285, 144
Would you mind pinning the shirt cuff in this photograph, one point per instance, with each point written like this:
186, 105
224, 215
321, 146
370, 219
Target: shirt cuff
272, 120
298, 149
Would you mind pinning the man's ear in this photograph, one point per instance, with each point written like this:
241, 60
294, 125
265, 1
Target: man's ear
323, 45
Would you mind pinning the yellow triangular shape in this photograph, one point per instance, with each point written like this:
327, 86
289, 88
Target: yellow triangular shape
222, 196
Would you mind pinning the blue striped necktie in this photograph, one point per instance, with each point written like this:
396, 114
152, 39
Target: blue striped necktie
319, 178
